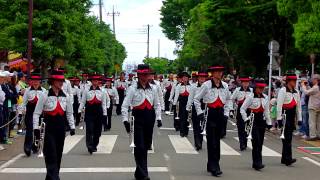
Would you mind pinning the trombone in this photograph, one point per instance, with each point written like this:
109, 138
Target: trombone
249, 126
284, 119
203, 124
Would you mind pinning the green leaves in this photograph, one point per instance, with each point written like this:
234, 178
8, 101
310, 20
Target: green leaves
62, 29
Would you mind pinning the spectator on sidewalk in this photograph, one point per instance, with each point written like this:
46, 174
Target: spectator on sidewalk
304, 129
313, 107
2, 119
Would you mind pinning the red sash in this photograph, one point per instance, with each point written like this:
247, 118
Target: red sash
217, 104
34, 100
291, 105
185, 93
259, 110
55, 112
145, 105
94, 101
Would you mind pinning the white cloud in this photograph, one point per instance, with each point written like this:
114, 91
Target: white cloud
134, 16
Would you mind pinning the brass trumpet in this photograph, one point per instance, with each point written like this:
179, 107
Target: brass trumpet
177, 111
249, 126
284, 119
39, 143
203, 125
131, 135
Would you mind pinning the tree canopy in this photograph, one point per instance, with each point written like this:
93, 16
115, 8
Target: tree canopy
161, 65
62, 29
236, 33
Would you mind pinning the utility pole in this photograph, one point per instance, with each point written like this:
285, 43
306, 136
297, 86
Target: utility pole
29, 55
158, 48
113, 14
100, 10
148, 41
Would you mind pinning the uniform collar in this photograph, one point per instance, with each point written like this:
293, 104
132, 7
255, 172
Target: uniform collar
242, 89
32, 88
292, 91
97, 88
139, 86
257, 96
60, 94
214, 84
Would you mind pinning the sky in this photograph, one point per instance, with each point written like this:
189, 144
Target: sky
131, 27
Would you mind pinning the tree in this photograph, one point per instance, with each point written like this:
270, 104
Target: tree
234, 33
62, 29
304, 15
175, 17
160, 65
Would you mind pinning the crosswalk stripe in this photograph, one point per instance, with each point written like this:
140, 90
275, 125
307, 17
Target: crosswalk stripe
106, 144
82, 170
265, 150
70, 142
226, 149
182, 145
1, 148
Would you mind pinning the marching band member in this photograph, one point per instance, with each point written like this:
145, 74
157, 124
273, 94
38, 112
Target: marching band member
144, 101
238, 96
157, 84
56, 108
30, 99
217, 97
194, 79
112, 93
288, 104
130, 80
258, 104
182, 93
121, 87
167, 85
198, 137
76, 93
84, 84
94, 101
176, 124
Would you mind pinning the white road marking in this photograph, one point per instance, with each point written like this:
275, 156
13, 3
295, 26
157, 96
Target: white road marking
182, 145
226, 149
312, 161
172, 129
11, 161
81, 170
106, 144
1, 148
70, 142
265, 150
151, 151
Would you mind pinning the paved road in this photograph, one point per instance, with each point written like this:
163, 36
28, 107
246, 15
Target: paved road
173, 158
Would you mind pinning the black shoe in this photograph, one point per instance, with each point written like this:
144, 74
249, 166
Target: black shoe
258, 167
150, 149
94, 149
243, 148
290, 162
198, 148
90, 151
145, 178
27, 152
216, 173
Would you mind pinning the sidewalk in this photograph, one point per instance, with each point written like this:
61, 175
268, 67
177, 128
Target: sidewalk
12, 150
